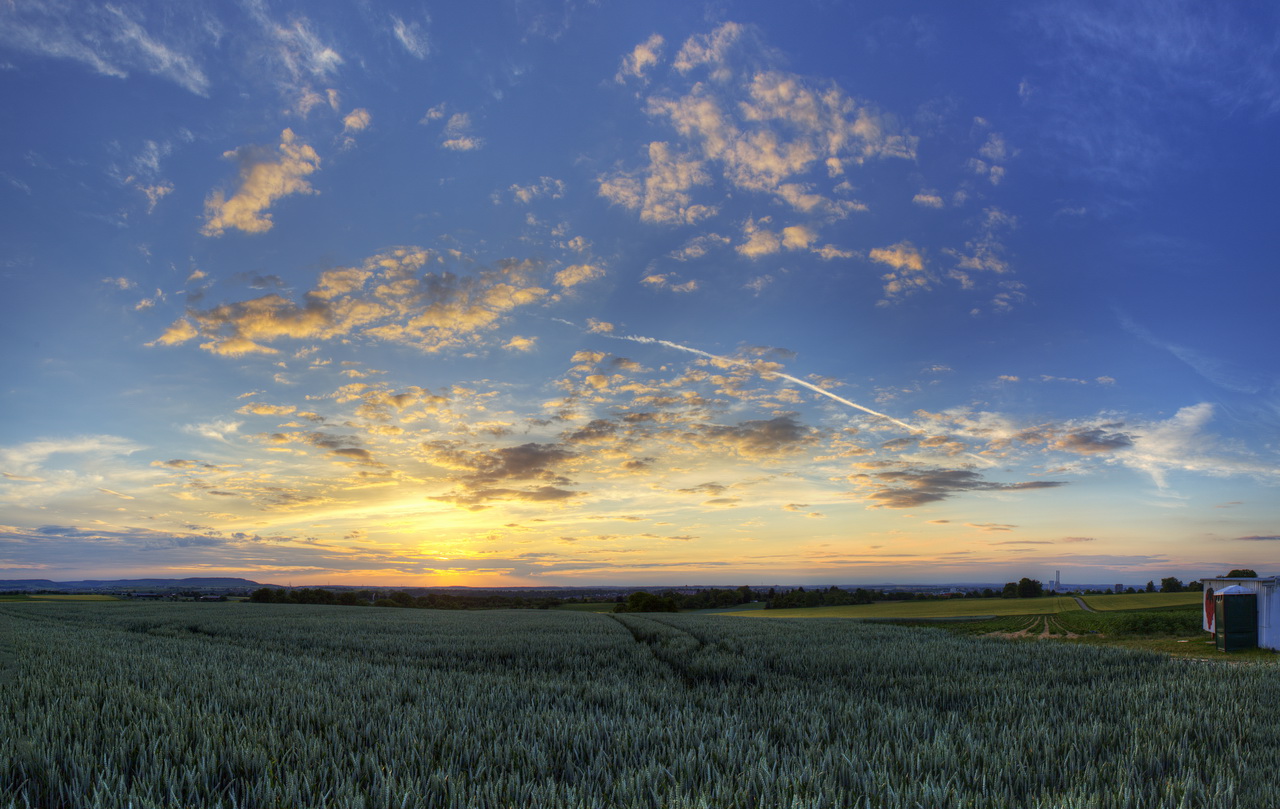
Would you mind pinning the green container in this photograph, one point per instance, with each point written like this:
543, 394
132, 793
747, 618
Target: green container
1235, 621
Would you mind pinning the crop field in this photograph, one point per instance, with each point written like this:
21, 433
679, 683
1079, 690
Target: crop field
1142, 601
933, 608
55, 597
265, 705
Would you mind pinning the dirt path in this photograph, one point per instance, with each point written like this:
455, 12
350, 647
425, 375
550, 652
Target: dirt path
1083, 605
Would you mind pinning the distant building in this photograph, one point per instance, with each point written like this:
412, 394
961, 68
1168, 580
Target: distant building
1267, 591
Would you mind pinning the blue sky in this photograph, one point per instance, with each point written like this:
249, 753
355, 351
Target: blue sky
577, 293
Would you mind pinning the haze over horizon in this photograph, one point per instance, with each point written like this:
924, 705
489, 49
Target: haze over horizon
549, 293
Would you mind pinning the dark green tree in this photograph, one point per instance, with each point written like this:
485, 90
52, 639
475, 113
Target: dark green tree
1151, 587
1029, 588
640, 601
1171, 584
1242, 573
1010, 590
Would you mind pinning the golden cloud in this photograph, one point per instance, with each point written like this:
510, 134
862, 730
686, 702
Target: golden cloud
264, 178
390, 297
577, 274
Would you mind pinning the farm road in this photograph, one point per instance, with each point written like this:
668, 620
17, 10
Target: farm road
1083, 605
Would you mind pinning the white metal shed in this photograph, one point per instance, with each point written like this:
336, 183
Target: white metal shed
1268, 593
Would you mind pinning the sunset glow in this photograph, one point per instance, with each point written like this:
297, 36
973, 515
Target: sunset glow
558, 293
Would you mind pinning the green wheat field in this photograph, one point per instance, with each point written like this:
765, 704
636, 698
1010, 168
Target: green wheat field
116, 704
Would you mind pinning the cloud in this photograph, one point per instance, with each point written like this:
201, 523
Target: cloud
265, 177
1181, 443
1094, 441
390, 297
481, 472
699, 246
217, 430
357, 120
927, 200
294, 56
110, 39
712, 49
1224, 374
577, 274
908, 274
23, 461
661, 192
908, 488
1115, 75
457, 134
757, 128
411, 36
261, 409
519, 343
665, 281
1258, 539
545, 187
641, 59
779, 436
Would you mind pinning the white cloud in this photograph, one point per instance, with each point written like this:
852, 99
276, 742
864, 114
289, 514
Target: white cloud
411, 36
1180, 444
295, 54
111, 39
26, 459
217, 430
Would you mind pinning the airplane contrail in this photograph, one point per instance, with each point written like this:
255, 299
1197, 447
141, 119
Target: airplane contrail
788, 377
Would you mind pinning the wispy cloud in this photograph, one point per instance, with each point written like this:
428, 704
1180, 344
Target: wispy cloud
112, 39
411, 36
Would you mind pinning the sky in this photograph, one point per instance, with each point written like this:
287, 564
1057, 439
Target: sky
557, 292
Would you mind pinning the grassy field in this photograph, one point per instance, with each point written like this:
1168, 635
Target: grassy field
1142, 601
940, 608
168, 706
52, 597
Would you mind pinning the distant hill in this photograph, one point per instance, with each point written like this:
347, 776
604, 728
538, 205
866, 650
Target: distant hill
197, 583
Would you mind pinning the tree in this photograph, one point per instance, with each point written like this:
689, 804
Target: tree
1151, 587
1171, 584
640, 601
1010, 590
1242, 573
1029, 588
